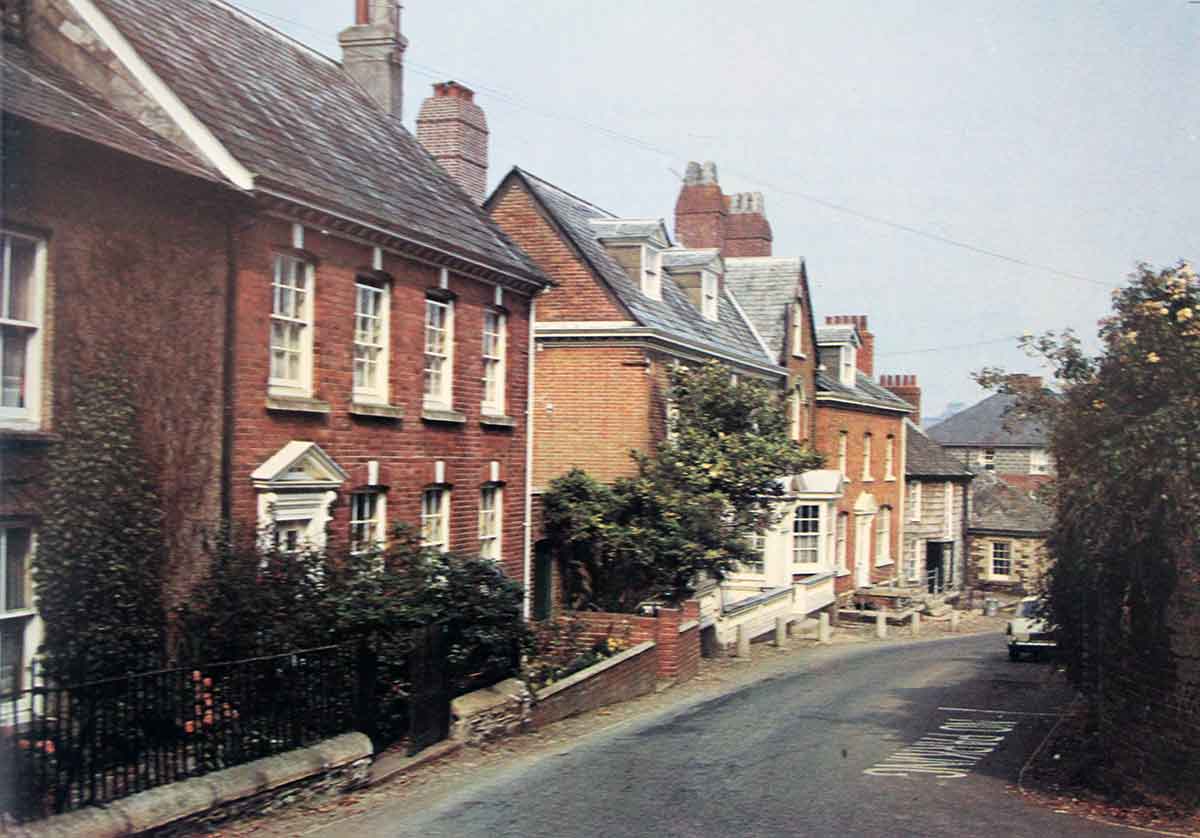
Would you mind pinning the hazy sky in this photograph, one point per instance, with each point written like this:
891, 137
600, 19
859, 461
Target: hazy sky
1061, 134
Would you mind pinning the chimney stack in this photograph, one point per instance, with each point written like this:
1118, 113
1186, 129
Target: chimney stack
866, 352
904, 387
373, 52
1018, 381
454, 131
747, 232
700, 209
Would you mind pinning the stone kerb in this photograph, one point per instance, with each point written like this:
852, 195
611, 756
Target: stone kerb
335, 765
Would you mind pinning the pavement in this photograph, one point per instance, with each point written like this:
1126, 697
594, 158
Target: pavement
920, 737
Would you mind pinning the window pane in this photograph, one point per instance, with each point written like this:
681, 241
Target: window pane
12, 654
16, 555
18, 302
13, 354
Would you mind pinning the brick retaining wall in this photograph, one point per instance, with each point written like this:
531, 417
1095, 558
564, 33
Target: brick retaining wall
620, 678
678, 649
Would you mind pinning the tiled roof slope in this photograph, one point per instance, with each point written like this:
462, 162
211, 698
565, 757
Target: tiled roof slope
39, 92
997, 506
990, 422
765, 287
301, 125
674, 315
925, 458
865, 391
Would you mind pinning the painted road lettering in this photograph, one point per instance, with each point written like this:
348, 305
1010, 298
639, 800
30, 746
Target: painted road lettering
950, 752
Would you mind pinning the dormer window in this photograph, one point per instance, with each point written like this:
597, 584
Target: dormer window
651, 273
710, 291
846, 365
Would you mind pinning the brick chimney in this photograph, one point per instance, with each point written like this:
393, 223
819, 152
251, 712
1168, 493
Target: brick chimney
700, 210
907, 388
866, 352
747, 232
454, 130
373, 52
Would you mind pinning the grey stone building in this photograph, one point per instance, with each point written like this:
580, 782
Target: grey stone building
936, 495
994, 435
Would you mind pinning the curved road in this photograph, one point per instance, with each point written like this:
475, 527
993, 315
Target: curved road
901, 739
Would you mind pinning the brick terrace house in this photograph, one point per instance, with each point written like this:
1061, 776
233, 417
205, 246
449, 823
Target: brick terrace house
628, 304
860, 428
341, 331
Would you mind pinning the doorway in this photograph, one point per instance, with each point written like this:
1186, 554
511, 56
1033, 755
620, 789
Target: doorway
939, 566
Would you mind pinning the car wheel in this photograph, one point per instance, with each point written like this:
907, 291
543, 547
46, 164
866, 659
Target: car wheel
1014, 653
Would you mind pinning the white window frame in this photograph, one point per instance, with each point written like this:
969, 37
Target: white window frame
868, 438
847, 362
283, 285
912, 562
889, 458
883, 537
371, 346
495, 363
17, 618
806, 542
435, 518
1039, 461
950, 507
491, 522
439, 394
1007, 558
651, 273
710, 288
842, 534
28, 415
843, 453
797, 329
368, 521
914, 500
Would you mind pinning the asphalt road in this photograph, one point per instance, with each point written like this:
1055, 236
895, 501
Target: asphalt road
914, 739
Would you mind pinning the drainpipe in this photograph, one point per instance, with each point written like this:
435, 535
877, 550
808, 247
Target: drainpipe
528, 581
228, 360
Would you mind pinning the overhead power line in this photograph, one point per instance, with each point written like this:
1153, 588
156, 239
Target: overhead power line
873, 218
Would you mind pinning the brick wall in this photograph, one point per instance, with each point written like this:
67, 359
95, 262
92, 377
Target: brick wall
135, 267
620, 678
405, 449
831, 421
678, 652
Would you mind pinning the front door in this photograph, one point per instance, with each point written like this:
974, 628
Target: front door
935, 567
862, 550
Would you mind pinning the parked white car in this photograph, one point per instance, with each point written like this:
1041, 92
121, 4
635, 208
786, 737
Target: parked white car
1027, 632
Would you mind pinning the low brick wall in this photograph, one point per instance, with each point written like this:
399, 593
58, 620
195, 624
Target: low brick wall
678, 651
632, 673
260, 787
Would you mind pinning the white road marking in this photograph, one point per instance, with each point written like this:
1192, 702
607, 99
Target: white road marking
950, 753
1000, 712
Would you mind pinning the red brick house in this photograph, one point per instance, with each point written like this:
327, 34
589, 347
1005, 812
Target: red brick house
352, 329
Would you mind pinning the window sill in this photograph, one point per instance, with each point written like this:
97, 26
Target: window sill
376, 411
298, 404
30, 434
889, 480
885, 563
18, 614
492, 420
433, 414
868, 479
841, 573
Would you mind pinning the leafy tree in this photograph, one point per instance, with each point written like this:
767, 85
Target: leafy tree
1125, 435
692, 504
98, 569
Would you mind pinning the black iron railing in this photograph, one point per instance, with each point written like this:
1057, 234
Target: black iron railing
70, 746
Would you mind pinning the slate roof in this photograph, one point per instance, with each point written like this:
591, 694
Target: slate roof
41, 93
679, 257
674, 315
990, 423
865, 391
997, 506
925, 458
765, 287
305, 128
631, 228
835, 334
